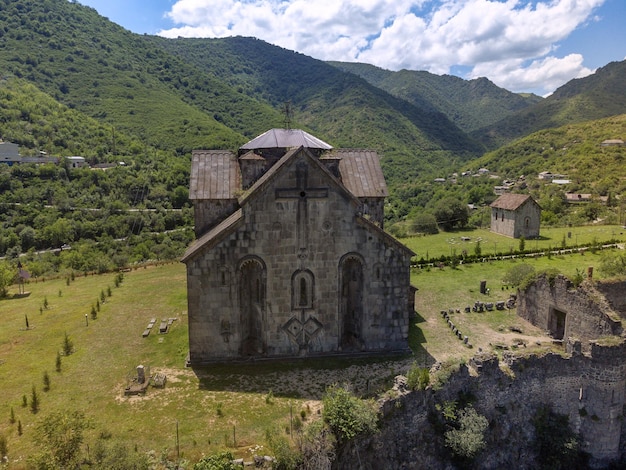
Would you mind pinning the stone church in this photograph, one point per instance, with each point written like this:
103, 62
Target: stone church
291, 258
516, 216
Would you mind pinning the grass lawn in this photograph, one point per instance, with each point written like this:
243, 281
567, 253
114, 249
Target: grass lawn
223, 407
107, 351
449, 243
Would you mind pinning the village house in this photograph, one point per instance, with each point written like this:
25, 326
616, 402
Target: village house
291, 257
516, 216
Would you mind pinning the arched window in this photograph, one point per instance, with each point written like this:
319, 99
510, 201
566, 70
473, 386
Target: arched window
252, 280
302, 289
351, 307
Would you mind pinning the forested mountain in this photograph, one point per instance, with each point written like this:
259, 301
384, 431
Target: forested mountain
470, 104
74, 83
184, 94
597, 96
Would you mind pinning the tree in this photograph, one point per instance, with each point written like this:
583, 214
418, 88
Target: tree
557, 446
478, 250
61, 434
4, 448
346, 414
46, 381
68, 345
425, 223
467, 437
57, 364
451, 212
7, 276
34, 401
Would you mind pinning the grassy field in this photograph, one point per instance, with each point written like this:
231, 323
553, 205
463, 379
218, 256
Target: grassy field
222, 407
107, 351
449, 243
455, 288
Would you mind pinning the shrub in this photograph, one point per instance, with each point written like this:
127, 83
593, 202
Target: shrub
418, 378
347, 415
467, 437
518, 274
221, 461
286, 457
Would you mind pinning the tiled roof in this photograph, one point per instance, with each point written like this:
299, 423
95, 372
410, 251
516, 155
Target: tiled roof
510, 201
361, 172
215, 174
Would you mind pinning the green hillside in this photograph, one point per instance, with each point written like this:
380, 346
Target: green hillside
340, 108
469, 104
574, 151
96, 67
597, 96
35, 120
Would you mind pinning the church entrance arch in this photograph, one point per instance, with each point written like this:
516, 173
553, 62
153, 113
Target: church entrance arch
351, 281
252, 285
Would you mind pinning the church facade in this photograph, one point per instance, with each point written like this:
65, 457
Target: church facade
291, 258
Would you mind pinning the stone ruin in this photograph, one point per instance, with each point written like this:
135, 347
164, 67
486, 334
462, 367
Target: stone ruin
138, 384
585, 382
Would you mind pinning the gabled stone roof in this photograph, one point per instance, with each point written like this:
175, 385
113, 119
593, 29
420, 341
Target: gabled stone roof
510, 201
215, 174
361, 172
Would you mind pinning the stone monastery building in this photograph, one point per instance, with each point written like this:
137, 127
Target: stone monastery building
515, 216
291, 258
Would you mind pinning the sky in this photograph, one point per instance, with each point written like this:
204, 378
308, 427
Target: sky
520, 45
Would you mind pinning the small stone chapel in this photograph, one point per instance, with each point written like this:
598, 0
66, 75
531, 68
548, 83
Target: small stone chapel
291, 258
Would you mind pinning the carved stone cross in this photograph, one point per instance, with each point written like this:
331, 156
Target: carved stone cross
301, 193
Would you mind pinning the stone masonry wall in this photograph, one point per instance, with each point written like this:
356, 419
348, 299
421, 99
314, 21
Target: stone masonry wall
587, 313
589, 390
271, 233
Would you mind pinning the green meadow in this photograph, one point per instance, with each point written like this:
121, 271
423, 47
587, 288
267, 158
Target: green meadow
552, 238
224, 407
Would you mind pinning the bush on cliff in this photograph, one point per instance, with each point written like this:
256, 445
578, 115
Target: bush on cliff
348, 415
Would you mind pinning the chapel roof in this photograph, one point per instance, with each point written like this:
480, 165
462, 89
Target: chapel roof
286, 138
215, 174
510, 201
361, 172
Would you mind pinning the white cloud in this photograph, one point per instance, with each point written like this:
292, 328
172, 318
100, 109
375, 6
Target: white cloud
513, 42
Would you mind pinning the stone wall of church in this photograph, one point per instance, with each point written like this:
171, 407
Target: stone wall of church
299, 245
208, 213
513, 223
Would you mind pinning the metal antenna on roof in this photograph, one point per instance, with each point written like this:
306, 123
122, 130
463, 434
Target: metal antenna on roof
288, 114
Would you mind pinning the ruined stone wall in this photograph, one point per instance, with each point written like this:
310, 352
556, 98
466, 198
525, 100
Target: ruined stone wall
615, 293
587, 314
290, 237
589, 390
